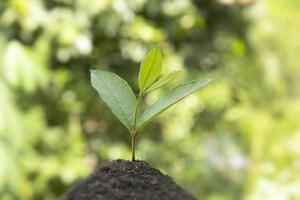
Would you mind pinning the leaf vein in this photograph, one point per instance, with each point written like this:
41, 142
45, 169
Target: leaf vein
147, 73
116, 99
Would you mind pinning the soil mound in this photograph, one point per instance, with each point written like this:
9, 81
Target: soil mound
126, 180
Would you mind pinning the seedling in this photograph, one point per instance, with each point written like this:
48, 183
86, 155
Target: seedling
119, 97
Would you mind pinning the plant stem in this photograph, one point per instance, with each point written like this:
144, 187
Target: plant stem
136, 112
133, 145
135, 130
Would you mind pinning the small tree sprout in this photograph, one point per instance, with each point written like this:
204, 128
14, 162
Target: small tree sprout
119, 97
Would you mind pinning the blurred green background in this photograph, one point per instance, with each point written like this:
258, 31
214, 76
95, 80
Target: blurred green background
238, 138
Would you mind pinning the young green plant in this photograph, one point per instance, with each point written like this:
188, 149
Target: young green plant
119, 97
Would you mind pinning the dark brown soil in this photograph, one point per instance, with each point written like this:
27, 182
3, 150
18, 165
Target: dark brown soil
126, 180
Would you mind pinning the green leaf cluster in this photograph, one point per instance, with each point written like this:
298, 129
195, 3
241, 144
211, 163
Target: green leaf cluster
119, 97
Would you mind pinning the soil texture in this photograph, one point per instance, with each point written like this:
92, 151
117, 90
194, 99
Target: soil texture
127, 180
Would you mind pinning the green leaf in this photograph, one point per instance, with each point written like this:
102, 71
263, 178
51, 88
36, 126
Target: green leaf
117, 94
172, 96
150, 69
163, 80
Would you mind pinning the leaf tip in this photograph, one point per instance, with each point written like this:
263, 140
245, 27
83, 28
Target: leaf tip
93, 71
157, 49
208, 80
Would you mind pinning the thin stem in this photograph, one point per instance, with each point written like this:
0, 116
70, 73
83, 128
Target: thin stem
133, 145
136, 112
135, 130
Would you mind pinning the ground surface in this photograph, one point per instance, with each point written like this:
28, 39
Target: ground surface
126, 180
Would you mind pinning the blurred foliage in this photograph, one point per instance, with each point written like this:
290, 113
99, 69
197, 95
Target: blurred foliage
239, 138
